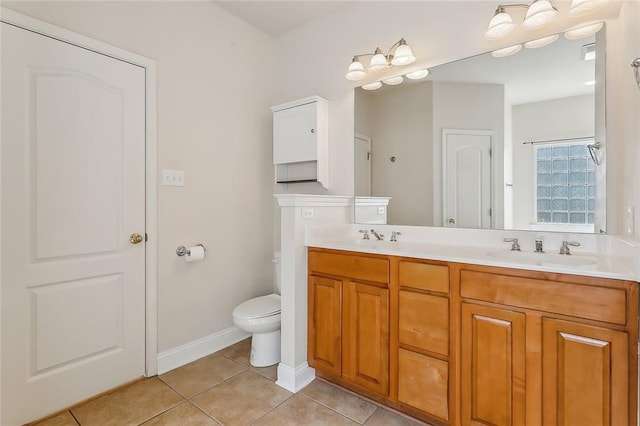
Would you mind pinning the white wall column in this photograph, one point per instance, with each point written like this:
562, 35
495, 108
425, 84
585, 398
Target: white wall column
297, 213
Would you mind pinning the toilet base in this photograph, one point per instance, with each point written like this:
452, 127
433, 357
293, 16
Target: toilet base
265, 349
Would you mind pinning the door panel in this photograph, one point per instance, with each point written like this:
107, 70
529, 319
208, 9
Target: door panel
325, 325
467, 179
585, 374
492, 366
366, 336
73, 287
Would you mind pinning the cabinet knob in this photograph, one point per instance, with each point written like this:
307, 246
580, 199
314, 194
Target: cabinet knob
313, 130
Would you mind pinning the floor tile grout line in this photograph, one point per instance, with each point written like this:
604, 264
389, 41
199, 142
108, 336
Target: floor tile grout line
336, 411
282, 402
204, 412
217, 384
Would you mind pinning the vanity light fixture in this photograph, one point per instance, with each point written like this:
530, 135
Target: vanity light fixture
583, 7
417, 75
399, 54
393, 81
541, 42
539, 13
583, 31
372, 86
507, 51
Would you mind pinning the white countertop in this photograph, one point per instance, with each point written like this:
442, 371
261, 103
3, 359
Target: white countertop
594, 263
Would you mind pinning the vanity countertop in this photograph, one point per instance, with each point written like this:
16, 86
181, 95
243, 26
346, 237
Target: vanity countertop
592, 264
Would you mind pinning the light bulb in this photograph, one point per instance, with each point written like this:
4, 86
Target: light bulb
378, 62
356, 70
539, 14
403, 54
500, 25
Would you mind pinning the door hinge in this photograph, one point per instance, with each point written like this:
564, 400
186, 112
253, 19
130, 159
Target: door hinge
146, 237
490, 152
490, 212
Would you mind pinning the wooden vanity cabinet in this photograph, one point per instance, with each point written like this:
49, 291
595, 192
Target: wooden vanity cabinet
546, 349
459, 344
348, 328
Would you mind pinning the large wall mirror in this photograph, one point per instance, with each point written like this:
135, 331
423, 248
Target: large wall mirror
514, 142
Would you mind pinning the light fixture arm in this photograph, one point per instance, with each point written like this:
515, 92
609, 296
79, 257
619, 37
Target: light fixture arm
387, 55
501, 7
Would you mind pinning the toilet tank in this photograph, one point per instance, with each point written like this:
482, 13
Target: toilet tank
276, 270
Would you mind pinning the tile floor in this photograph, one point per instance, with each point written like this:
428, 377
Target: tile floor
223, 389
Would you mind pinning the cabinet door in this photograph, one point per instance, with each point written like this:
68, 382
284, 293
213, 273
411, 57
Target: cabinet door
585, 372
366, 337
325, 325
423, 383
294, 134
492, 366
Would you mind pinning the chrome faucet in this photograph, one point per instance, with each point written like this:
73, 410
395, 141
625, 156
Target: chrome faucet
366, 234
394, 236
515, 246
539, 246
379, 237
565, 246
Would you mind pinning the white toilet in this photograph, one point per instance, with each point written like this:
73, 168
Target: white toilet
261, 317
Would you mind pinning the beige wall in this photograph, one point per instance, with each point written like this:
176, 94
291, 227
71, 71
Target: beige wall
214, 79
217, 76
399, 122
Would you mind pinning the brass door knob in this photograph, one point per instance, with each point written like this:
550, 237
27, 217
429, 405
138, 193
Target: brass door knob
135, 238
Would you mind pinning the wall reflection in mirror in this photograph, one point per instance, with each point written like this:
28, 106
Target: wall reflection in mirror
484, 142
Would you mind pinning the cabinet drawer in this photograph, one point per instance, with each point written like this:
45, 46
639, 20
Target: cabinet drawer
582, 301
352, 266
423, 383
424, 276
424, 321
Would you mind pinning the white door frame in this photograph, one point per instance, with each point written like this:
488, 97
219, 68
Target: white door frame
19, 20
492, 197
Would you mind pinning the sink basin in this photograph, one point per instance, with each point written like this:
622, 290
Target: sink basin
544, 258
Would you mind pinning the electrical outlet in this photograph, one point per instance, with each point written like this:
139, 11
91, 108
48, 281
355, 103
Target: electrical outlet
307, 212
172, 177
630, 220
380, 209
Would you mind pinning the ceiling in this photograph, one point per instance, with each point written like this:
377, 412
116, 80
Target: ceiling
280, 17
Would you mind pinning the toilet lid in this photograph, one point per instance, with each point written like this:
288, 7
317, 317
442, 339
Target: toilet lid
258, 307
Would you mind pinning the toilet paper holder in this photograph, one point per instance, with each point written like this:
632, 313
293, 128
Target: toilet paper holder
182, 250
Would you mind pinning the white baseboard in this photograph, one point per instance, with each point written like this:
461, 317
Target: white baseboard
294, 379
189, 352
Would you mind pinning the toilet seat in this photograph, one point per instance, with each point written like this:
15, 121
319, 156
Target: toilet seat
258, 307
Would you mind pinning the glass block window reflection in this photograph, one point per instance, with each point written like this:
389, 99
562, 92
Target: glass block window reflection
565, 184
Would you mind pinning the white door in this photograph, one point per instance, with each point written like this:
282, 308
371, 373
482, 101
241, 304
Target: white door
362, 166
73, 190
466, 178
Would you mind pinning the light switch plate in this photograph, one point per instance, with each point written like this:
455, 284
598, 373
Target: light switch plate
172, 177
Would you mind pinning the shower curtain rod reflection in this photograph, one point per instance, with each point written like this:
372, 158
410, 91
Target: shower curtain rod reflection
558, 140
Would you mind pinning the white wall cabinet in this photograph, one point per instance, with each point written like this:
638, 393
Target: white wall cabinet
301, 141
